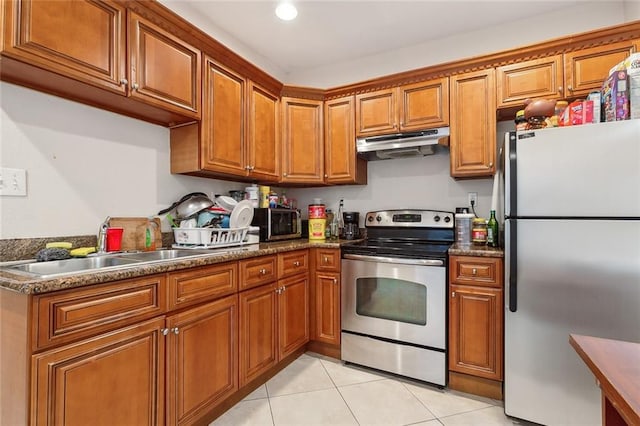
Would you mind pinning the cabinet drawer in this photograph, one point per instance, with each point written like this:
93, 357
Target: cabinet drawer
327, 260
481, 271
202, 284
292, 263
69, 315
258, 271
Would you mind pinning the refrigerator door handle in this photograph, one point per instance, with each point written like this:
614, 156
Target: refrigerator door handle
511, 238
512, 188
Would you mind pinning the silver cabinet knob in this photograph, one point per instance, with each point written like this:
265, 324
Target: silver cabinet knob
453, 294
474, 271
335, 281
560, 89
175, 330
124, 81
164, 331
296, 263
262, 271
284, 174
570, 88
135, 86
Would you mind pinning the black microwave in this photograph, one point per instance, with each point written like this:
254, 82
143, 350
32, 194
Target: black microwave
277, 224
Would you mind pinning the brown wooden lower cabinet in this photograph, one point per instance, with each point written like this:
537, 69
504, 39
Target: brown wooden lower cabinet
327, 308
293, 314
116, 378
476, 324
274, 322
202, 352
258, 331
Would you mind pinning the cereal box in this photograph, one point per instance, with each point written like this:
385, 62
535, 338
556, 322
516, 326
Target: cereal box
615, 96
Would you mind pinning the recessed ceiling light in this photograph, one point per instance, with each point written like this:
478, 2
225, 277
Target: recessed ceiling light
286, 11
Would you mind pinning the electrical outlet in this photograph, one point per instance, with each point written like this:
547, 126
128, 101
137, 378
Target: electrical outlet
473, 199
13, 182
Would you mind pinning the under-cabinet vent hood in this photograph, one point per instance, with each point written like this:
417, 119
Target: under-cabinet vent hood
402, 145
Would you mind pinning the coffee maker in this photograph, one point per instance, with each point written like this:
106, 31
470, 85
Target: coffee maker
351, 225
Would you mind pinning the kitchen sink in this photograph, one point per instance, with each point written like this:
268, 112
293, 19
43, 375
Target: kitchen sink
95, 263
151, 256
68, 266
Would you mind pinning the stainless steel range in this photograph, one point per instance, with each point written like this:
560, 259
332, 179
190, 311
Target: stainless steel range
394, 312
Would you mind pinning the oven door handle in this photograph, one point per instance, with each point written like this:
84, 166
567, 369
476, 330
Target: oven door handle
403, 261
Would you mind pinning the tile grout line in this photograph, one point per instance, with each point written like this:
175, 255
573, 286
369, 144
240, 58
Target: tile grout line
340, 393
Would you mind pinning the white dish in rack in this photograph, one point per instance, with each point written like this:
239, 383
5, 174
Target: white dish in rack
242, 215
226, 203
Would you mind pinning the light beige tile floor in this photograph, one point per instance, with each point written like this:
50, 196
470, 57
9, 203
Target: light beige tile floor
315, 391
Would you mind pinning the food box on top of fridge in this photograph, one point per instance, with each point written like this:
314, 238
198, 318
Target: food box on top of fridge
632, 66
577, 112
615, 96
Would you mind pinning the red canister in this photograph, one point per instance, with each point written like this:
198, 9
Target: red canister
317, 209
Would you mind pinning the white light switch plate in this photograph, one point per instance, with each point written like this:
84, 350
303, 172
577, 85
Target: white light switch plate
13, 182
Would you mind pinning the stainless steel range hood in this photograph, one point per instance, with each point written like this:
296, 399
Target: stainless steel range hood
401, 145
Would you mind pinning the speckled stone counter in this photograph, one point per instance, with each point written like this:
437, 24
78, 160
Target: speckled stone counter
29, 284
471, 250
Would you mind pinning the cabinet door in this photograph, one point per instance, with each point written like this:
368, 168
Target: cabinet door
302, 145
377, 112
293, 314
202, 352
326, 320
263, 138
586, 69
473, 124
537, 78
115, 378
476, 331
83, 39
258, 333
424, 104
223, 125
164, 70
341, 163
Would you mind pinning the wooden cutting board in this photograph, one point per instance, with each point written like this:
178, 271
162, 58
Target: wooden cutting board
133, 237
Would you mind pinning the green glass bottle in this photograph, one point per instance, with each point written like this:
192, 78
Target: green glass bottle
492, 230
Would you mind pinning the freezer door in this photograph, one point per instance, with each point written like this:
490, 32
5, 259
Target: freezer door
573, 276
577, 171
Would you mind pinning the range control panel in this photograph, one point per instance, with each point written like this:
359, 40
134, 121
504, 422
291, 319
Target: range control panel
409, 219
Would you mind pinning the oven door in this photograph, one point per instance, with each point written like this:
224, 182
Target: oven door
399, 299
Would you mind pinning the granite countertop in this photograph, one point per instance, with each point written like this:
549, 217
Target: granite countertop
29, 284
472, 250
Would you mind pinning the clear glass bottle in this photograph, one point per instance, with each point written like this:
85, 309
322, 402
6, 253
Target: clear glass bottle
341, 219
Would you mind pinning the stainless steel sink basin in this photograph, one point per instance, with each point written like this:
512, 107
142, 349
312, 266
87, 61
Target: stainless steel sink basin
95, 263
67, 266
150, 256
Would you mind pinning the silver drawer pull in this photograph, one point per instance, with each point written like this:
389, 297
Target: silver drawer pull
296, 263
474, 271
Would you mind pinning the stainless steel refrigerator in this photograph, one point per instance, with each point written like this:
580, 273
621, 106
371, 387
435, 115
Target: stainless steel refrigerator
572, 262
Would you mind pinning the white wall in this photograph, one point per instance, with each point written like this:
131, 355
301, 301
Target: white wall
83, 164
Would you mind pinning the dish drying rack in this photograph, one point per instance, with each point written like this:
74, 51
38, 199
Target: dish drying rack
209, 237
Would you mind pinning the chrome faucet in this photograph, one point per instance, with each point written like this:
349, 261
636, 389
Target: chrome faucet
101, 247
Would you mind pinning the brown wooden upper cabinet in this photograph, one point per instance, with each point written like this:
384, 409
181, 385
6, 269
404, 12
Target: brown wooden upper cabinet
163, 70
410, 107
472, 143
568, 75
46, 33
85, 41
238, 135
341, 163
302, 143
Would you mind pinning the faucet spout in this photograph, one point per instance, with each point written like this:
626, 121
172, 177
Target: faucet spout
101, 246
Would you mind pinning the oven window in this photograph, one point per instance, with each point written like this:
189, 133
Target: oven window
392, 299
